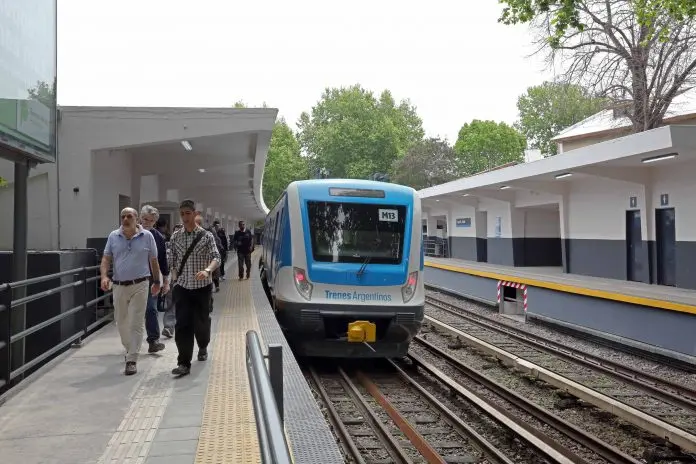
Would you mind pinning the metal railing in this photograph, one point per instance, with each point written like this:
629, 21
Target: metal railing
436, 247
16, 368
267, 398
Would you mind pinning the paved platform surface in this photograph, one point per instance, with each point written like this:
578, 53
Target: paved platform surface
84, 410
556, 275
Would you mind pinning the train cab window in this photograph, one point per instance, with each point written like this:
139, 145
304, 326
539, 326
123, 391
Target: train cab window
351, 232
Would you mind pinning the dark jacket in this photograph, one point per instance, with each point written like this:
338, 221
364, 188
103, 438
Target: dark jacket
243, 241
161, 251
223, 239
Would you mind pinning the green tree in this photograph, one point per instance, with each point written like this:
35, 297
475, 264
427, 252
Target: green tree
483, 145
44, 93
284, 163
568, 15
547, 109
353, 134
640, 54
429, 162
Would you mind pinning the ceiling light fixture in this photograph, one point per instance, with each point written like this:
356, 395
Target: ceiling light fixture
187, 146
652, 159
201, 170
504, 187
465, 194
561, 176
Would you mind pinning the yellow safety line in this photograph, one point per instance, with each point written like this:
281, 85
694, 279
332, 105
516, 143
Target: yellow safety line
638, 300
228, 429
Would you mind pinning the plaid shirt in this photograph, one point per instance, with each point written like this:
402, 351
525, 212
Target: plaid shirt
204, 252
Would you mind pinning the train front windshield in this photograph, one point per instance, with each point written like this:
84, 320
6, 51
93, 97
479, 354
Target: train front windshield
351, 232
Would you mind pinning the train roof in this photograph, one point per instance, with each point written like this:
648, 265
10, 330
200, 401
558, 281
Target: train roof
355, 184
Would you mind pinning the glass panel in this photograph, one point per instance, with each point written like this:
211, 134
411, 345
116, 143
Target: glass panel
352, 232
28, 77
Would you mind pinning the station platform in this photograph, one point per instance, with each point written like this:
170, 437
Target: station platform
81, 408
655, 318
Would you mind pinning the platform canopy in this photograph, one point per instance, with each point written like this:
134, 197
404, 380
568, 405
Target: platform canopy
214, 156
628, 158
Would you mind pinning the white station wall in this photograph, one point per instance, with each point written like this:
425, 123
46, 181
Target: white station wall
596, 208
677, 180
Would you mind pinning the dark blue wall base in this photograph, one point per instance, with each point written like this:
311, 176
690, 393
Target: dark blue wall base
669, 330
528, 251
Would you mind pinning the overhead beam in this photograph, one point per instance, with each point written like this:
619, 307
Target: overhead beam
541, 186
633, 175
500, 195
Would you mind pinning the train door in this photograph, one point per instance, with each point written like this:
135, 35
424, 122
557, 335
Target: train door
276, 231
633, 245
666, 244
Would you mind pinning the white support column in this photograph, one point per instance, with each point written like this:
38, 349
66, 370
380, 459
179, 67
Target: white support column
564, 214
172, 195
149, 189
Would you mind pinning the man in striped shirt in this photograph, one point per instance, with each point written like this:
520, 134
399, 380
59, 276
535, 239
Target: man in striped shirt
192, 294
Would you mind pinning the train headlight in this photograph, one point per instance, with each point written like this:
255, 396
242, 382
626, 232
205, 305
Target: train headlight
408, 290
301, 283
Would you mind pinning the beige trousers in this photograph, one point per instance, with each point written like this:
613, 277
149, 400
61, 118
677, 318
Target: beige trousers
130, 302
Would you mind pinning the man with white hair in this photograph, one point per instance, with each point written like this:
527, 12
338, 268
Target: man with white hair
148, 218
133, 252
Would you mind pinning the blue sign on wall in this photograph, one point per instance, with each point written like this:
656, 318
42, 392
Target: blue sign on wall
463, 222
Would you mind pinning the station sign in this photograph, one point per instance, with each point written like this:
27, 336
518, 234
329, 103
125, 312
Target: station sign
463, 222
28, 115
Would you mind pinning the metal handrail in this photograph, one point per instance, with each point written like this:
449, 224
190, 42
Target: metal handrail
7, 304
267, 398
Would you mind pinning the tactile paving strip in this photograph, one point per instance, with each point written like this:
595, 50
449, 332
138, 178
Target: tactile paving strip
310, 438
228, 429
131, 442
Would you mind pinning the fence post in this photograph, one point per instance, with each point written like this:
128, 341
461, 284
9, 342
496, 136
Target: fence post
275, 371
85, 299
6, 330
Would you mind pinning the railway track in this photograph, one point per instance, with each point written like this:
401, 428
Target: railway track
392, 415
667, 403
518, 406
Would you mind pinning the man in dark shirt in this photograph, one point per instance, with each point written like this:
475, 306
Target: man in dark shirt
244, 244
220, 232
148, 218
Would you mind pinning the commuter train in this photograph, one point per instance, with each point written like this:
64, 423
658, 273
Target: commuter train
345, 256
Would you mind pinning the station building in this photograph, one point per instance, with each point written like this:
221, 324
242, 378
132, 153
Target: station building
109, 158
612, 211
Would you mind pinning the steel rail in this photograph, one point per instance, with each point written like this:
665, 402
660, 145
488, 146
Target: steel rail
685, 399
387, 438
603, 449
335, 419
418, 441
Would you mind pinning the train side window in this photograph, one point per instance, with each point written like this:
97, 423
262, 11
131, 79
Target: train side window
275, 238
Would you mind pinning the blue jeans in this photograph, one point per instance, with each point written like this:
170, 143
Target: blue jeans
151, 318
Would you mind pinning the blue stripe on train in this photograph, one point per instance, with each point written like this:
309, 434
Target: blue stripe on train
346, 273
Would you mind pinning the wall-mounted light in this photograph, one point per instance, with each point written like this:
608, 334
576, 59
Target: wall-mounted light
652, 159
561, 176
504, 187
201, 170
187, 146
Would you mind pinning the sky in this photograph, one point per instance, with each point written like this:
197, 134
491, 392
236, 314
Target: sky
451, 59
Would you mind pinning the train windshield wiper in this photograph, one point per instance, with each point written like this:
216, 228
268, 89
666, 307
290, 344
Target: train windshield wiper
367, 259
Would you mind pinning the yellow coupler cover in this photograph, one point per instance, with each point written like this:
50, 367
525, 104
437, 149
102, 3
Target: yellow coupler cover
362, 331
